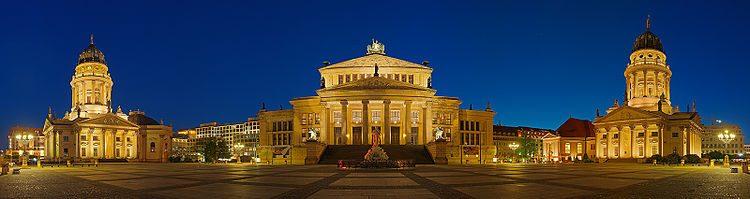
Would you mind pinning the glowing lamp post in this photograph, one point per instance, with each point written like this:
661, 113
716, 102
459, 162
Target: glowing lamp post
24, 141
513, 147
726, 137
238, 150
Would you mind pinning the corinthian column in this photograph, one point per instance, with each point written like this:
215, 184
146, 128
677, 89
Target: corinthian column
365, 121
344, 120
387, 121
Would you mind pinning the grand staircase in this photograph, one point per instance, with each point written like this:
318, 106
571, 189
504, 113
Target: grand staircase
334, 153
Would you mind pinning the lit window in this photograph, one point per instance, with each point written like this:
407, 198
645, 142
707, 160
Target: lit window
375, 117
395, 116
415, 117
579, 148
357, 117
567, 147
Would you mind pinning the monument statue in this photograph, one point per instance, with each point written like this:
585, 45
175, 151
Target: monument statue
439, 133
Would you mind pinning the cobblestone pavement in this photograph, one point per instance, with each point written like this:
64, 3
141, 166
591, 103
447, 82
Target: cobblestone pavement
426, 181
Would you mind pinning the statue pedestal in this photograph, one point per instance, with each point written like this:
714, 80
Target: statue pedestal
438, 151
314, 151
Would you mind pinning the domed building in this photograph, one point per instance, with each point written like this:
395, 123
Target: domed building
376, 99
646, 123
92, 130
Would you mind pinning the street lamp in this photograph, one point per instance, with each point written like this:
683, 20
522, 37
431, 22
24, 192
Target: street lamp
237, 148
513, 147
24, 141
726, 137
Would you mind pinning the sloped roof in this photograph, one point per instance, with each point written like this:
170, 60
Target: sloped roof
576, 128
141, 119
371, 59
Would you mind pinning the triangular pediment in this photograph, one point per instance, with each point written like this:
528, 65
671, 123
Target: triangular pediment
372, 59
373, 83
108, 119
627, 113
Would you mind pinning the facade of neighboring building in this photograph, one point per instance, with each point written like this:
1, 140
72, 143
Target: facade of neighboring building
747, 148
35, 145
503, 136
243, 137
92, 130
711, 142
571, 141
646, 124
376, 98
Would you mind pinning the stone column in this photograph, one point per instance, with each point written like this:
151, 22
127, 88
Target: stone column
647, 142
344, 120
407, 121
365, 122
323, 137
610, 148
645, 83
634, 142
661, 139
428, 137
387, 121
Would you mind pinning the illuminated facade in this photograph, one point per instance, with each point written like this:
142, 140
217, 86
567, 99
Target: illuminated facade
571, 141
91, 130
34, 147
645, 123
243, 137
503, 136
711, 142
375, 98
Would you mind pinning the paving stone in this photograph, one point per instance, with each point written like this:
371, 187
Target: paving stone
599, 182
224, 190
522, 190
374, 193
376, 182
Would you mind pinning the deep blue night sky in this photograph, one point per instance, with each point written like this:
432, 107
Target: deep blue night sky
538, 63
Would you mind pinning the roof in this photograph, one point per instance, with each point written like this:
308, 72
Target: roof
141, 119
524, 131
91, 54
647, 40
372, 59
576, 128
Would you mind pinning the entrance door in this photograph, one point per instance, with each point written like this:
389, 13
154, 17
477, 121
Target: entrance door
338, 138
395, 132
413, 135
357, 132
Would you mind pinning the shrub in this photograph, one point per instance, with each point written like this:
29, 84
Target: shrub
656, 157
692, 158
672, 159
715, 155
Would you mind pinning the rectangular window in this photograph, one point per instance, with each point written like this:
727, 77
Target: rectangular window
117, 139
604, 151
341, 79
604, 136
395, 116
96, 152
83, 137
375, 117
390, 76
96, 138
128, 139
348, 78
579, 148
403, 77
65, 138
117, 152
396, 77
411, 79
357, 117
317, 118
65, 152
615, 136
640, 150
83, 152
354, 77
304, 119
641, 134
337, 117
361, 76
567, 148
655, 134
414, 117
461, 125
674, 135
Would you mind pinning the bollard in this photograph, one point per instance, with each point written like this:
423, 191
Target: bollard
682, 163
39, 164
654, 162
68, 163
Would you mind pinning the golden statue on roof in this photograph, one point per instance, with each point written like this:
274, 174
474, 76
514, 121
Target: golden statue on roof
376, 47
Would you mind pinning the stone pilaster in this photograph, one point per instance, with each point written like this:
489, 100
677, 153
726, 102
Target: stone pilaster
345, 121
387, 121
366, 122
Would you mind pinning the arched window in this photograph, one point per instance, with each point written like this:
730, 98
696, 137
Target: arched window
153, 147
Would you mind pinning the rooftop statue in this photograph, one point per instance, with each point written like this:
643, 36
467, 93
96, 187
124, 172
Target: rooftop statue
376, 48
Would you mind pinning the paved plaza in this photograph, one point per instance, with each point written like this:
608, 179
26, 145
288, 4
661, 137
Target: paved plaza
426, 181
